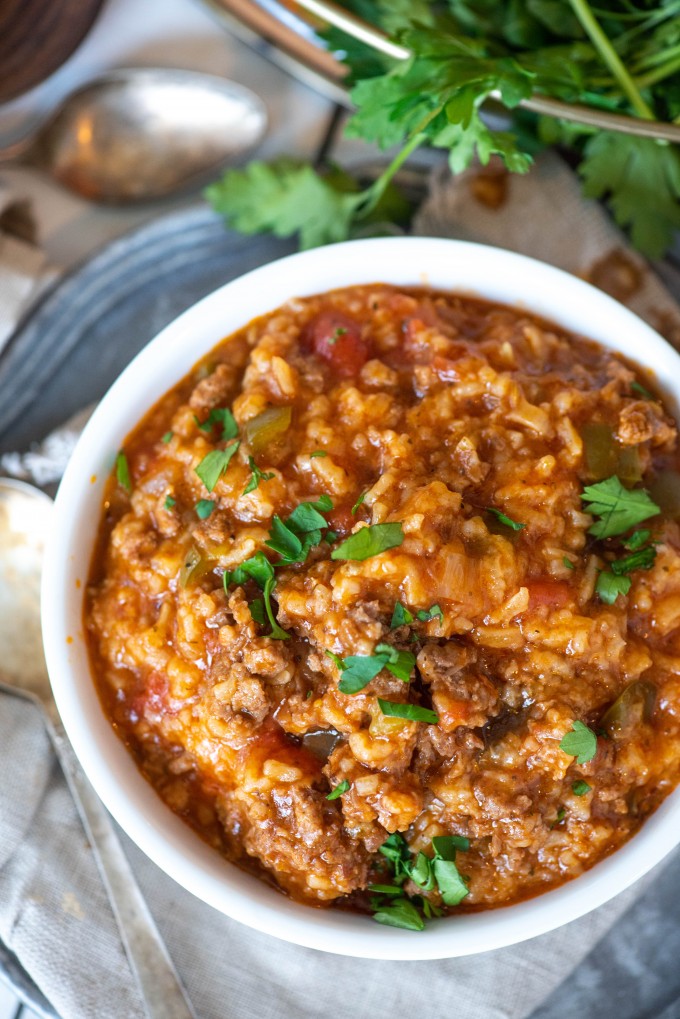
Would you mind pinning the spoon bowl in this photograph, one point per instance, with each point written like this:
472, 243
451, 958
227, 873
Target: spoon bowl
142, 134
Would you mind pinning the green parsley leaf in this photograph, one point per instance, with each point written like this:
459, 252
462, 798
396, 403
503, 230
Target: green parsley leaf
256, 476
637, 539
505, 519
446, 846
257, 610
400, 663
214, 465
301, 531
568, 563
385, 889
412, 712
358, 671
580, 742
609, 586
619, 508
638, 388
261, 571
450, 882
580, 788
369, 541
223, 416
400, 617
166, 438
306, 517
422, 872
330, 537
395, 849
358, 503
204, 508
285, 542
169, 502
123, 472
434, 612
401, 913
341, 788
318, 452
641, 559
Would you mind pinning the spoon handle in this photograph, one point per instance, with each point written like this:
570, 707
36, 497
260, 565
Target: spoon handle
159, 984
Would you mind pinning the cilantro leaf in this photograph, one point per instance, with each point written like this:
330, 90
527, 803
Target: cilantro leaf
261, 571
257, 610
166, 438
341, 788
204, 508
214, 465
358, 503
580, 788
580, 742
619, 508
568, 563
412, 712
301, 531
450, 882
505, 519
284, 541
421, 872
609, 586
369, 541
638, 539
169, 502
223, 416
256, 476
400, 617
123, 472
446, 846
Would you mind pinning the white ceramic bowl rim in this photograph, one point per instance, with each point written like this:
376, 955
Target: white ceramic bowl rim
491, 273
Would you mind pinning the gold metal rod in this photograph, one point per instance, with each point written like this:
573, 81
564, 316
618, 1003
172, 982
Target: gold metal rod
574, 112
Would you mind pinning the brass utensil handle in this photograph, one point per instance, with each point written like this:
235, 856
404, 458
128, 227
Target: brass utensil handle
159, 984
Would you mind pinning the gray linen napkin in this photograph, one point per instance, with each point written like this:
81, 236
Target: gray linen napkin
53, 910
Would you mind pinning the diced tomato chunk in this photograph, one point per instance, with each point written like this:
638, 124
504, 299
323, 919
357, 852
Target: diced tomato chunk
554, 593
337, 339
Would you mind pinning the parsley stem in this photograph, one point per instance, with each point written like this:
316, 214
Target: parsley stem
376, 190
610, 57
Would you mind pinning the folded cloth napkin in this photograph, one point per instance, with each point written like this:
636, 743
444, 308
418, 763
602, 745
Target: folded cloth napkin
53, 911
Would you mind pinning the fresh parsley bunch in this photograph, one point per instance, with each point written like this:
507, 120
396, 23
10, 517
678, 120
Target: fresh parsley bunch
620, 55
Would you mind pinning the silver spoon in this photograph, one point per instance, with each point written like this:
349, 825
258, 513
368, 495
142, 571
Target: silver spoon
25, 518
143, 133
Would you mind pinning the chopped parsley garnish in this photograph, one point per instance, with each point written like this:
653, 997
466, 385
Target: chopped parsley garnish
223, 416
400, 617
637, 539
259, 569
166, 438
330, 537
369, 541
257, 610
617, 507
504, 519
609, 586
580, 742
214, 465
300, 532
204, 508
568, 563
412, 712
358, 503
358, 670
559, 817
169, 502
437, 872
580, 788
256, 476
638, 388
401, 913
341, 788
318, 452
123, 472
434, 612
641, 559
340, 331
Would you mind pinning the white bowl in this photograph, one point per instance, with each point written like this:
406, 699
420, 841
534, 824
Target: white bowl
470, 268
